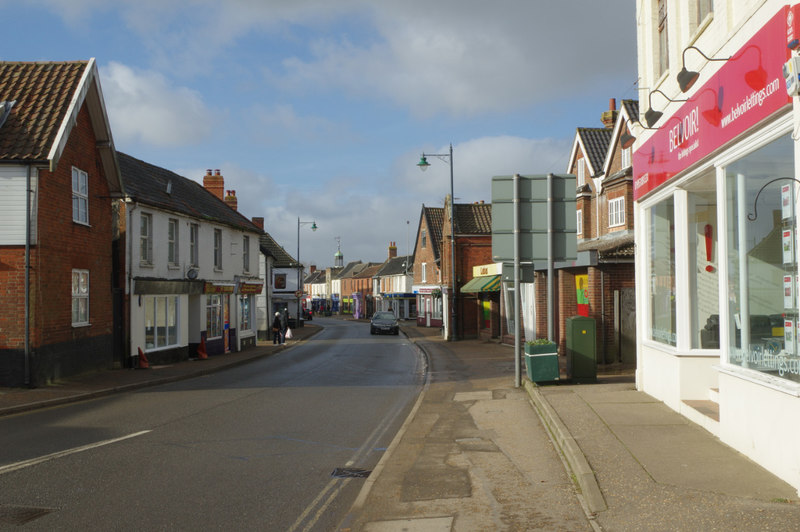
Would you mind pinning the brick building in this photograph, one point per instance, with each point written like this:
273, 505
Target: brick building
57, 314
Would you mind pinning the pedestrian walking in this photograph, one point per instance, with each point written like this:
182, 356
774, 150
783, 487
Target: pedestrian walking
284, 324
276, 328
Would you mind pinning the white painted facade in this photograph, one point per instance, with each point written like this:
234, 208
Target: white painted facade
157, 282
723, 264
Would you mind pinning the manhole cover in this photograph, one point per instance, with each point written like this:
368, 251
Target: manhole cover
350, 472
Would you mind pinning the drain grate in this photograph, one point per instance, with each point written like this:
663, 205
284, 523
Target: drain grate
18, 515
350, 472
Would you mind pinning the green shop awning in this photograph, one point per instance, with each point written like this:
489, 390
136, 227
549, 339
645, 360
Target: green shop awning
488, 283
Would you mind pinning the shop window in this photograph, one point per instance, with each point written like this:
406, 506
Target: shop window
245, 305
661, 272
703, 262
213, 316
160, 321
762, 261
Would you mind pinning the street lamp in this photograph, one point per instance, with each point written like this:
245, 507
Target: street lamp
300, 265
423, 165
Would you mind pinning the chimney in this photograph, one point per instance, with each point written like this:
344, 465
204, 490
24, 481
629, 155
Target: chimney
230, 199
392, 250
312, 268
259, 221
214, 183
609, 117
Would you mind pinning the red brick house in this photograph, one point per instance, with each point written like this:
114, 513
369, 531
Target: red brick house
432, 263
56, 266
603, 288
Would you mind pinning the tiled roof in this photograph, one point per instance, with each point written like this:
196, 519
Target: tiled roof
632, 108
369, 271
396, 266
473, 218
282, 258
315, 277
434, 218
595, 142
43, 92
350, 269
147, 183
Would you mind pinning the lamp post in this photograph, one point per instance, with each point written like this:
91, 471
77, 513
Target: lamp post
423, 165
300, 265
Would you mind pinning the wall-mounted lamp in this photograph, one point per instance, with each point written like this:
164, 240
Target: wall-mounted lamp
687, 78
652, 116
627, 139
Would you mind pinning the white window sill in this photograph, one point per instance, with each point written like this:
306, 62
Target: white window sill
756, 377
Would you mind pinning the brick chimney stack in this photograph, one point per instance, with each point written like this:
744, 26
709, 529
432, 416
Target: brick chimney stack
312, 268
230, 199
392, 250
214, 184
258, 221
609, 118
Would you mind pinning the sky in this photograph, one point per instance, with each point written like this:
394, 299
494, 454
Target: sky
319, 110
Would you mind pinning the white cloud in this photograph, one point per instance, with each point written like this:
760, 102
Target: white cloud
281, 124
143, 106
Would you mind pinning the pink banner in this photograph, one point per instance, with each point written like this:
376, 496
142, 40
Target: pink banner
747, 89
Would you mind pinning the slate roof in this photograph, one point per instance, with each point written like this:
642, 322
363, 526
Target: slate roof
48, 97
473, 219
434, 219
147, 183
632, 108
315, 277
350, 269
396, 266
368, 272
269, 246
595, 144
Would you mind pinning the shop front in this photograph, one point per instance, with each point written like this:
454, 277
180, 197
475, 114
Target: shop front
717, 243
483, 291
429, 306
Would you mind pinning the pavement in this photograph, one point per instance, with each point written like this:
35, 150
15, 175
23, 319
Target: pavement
476, 453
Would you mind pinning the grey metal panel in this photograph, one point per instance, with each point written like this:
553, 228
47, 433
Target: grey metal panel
533, 223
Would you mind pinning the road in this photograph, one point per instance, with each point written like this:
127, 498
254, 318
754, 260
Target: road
251, 448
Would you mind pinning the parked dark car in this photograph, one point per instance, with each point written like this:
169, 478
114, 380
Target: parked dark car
384, 322
307, 314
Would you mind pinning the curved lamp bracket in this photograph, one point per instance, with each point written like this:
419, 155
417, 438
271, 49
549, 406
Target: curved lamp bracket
753, 217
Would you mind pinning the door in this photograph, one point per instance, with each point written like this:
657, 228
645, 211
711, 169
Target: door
627, 329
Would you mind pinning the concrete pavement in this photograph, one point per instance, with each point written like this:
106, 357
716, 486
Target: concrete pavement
471, 457
478, 454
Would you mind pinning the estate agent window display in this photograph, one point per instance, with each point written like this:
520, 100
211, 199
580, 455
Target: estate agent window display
761, 286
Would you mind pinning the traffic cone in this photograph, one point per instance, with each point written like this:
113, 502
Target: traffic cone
201, 350
143, 363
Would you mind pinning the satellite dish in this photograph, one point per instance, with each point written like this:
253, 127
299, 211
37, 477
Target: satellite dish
191, 274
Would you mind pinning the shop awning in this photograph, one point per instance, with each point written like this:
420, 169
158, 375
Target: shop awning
488, 283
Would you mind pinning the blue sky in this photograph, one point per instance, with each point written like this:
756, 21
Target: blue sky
319, 109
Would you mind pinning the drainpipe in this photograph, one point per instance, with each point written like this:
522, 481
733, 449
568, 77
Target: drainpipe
27, 376
129, 276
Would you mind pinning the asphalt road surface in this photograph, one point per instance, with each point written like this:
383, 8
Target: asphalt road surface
251, 448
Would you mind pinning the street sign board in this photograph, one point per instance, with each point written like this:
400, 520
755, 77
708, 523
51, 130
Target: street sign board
533, 223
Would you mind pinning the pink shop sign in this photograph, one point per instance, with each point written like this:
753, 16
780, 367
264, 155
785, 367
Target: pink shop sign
747, 89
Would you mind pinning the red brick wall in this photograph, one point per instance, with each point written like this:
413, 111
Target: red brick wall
61, 247
425, 255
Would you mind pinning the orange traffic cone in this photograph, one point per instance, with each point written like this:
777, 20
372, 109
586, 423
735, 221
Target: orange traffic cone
201, 350
143, 363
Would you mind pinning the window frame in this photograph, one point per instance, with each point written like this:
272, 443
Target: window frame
194, 244
173, 242
80, 293
662, 36
245, 254
145, 239
579, 221
218, 249
80, 196
169, 305
616, 212
626, 157
581, 173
